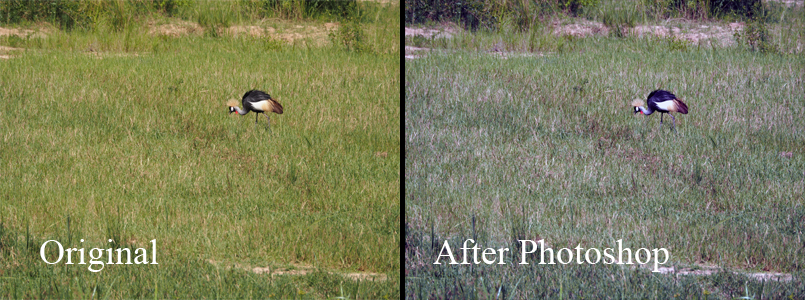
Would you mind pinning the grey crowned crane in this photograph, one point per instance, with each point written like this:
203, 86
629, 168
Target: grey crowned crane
258, 102
663, 102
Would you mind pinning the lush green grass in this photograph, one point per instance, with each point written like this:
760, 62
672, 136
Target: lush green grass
548, 147
139, 145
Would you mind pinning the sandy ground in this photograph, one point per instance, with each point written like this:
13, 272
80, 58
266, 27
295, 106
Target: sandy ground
281, 30
23, 33
694, 32
42, 32
301, 270
4, 51
316, 35
711, 270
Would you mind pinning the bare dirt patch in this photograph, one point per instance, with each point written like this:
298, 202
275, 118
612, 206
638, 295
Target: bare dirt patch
790, 3
24, 33
412, 52
384, 2
102, 55
255, 31
14, 31
513, 54
175, 28
724, 35
446, 30
694, 32
4, 51
580, 28
315, 34
289, 33
702, 270
302, 270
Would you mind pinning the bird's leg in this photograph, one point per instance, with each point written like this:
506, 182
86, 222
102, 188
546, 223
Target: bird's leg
674, 119
269, 123
661, 114
255, 118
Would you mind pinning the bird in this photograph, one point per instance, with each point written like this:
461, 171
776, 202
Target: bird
257, 101
663, 102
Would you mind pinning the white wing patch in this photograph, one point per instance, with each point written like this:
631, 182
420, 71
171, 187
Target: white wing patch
262, 105
668, 105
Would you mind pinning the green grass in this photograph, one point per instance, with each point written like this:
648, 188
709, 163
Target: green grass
137, 144
548, 147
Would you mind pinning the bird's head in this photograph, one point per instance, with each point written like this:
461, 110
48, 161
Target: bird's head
232, 103
636, 103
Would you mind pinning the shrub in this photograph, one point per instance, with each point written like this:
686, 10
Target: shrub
757, 37
170, 7
213, 20
64, 13
298, 9
577, 7
350, 35
474, 14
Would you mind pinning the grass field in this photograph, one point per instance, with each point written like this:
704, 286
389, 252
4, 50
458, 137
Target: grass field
544, 145
127, 136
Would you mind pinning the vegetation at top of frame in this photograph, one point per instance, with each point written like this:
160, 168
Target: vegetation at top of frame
524, 14
528, 26
69, 14
130, 25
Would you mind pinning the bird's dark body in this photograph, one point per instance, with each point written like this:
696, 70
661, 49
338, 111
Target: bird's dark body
659, 96
251, 98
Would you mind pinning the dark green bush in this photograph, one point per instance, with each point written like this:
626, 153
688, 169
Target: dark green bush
577, 7
733, 8
64, 13
705, 9
342, 9
474, 14
304, 9
213, 21
471, 13
619, 20
350, 35
757, 37
170, 7
88, 14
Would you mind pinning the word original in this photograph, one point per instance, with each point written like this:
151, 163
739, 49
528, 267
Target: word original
564, 256
95, 255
